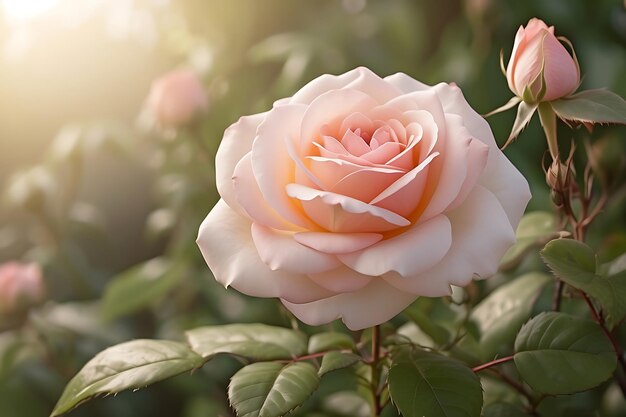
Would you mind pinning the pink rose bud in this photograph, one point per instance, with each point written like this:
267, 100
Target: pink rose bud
21, 286
538, 57
176, 97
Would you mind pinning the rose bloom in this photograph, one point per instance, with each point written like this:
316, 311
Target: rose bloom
535, 48
176, 98
21, 286
359, 194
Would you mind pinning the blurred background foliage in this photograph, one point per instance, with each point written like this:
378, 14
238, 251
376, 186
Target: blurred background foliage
109, 205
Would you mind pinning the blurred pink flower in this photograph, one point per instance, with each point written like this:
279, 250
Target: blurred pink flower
21, 286
176, 98
539, 56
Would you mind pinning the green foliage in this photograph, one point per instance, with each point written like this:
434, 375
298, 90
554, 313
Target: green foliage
575, 263
428, 384
271, 389
321, 342
556, 353
503, 410
337, 360
140, 287
535, 228
253, 341
592, 106
501, 314
130, 365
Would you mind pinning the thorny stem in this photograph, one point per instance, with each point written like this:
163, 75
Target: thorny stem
375, 362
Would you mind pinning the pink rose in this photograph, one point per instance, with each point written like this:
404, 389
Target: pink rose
536, 49
359, 194
176, 97
21, 285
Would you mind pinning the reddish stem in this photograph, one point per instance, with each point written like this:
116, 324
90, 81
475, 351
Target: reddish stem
492, 363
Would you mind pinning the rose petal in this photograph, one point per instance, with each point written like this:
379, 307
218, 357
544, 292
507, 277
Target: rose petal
336, 243
403, 196
500, 176
416, 250
481, 234
272, 166
405, 83
280, 251
236, 143
329, 110
226, 244
249, 197
341, 280
360, 78
377, 303
476, 161
452, 166
338, 213
561, 73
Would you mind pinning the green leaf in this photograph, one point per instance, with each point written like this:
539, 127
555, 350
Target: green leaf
535, 228
570, 260
434, 317
253, 341
129, 365
561, 354
575, 263
270, 389
592, 106
140, 286
330, 340
337, 360
427, 384
503, 410
502, 313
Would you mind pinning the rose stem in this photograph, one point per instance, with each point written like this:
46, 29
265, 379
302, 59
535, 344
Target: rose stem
375, 375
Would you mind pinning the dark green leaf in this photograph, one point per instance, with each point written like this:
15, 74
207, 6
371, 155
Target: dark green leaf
331, 340
427, 384
592, 106
561, 354
270, 389
575, 263
253, 341
535, 228
129, 365
434, 317
337, 360
502, 313
570, 259
503, 410
140, 286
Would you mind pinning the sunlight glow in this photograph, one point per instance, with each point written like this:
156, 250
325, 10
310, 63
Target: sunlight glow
17, 11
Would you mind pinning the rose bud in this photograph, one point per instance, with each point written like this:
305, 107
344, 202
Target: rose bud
21, 286
539, 57
176, 98
359, 194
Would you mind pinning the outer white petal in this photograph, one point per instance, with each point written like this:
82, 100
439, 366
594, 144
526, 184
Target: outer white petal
236, 143
416, 250
272, 165
280, 251
499, 176
374, 304
481, 234
251, 200
406, 83
360, 78
341, 280
226, 244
